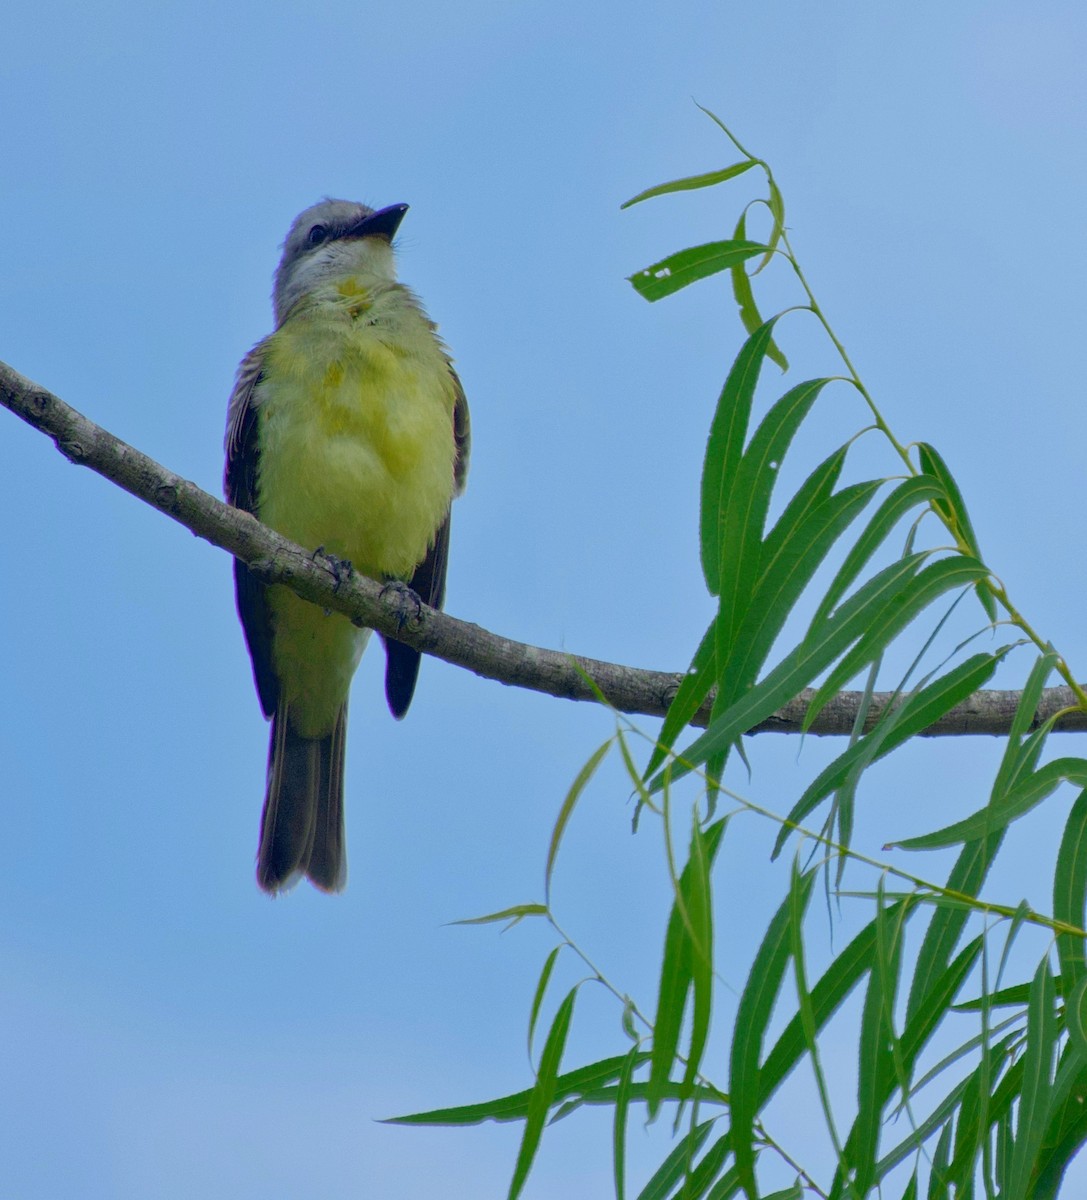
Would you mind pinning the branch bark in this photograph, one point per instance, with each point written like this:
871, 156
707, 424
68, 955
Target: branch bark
397, 613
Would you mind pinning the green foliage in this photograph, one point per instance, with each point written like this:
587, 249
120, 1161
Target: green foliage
966, 1085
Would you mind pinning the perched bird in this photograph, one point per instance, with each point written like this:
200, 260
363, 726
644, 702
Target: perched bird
347, 431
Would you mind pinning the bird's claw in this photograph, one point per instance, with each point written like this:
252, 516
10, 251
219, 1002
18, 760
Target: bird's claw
405, 597
340, 568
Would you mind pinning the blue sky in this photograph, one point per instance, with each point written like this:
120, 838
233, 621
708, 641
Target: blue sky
169, 1030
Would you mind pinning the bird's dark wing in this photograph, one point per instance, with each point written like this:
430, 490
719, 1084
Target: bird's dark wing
428, 581
240, 485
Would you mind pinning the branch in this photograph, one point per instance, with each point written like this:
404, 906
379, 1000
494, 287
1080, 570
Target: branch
397, 613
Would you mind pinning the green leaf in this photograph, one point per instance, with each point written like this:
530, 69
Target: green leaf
898, 610
896, 726
923, 1131
1037, 1081
724, 449
580, 1082
827, 995
924, 1022
953, 509
513, 915
909, 494
1075, 1019
752, 1017
1027, 794
686, 266
693, 688
542, 1095
566, 811
789, 564
674, 1167
875, 1073
541, 987
1070, 892
745, 505
806, 1009
702, 1176
976, 857
709, 179
619, 1129
937, 1182
697, 897
745, 297
686, 967
800, 666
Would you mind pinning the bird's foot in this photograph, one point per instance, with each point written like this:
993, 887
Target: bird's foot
340, 568
409, 605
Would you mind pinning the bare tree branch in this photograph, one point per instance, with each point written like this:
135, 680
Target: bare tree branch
394, 611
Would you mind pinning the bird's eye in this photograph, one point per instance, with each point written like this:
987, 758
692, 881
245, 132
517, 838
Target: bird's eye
317, 234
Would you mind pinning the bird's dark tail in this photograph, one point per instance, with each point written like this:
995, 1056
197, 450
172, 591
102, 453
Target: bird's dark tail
301, 829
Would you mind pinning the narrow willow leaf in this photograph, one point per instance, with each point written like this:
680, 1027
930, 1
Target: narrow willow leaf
748, 501
976, 857
953, 508
875, 1068
923, 1023
745, 297
946, 925
923, 1131
799, 667
1025, 714
541, 988
607, 1096
915, 713
806, 1009
724, 449
909, 494
795, 1192
1027, 794
683, 962
911, 1189
703, 1174
970, 1127
900, 609
752, 1017
1009, 997
1075, 1019
619, 1129
790, 566
567, 810
543, 1094
937, 1181
675, 1166
1067, 1128
582, 1081
1070, 893
686, 266
827, 995
777, 210
1037, 1081
693, 688
725, 1188
709, 179
697, 897
513, 915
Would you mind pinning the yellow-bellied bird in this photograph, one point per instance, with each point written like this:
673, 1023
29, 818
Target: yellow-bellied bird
347, 431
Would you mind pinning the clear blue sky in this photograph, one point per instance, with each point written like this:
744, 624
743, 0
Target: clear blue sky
168, 1030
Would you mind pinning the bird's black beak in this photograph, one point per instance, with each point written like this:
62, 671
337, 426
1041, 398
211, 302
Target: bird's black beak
383, 224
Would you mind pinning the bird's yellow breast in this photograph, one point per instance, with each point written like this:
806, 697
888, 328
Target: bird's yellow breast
356, 451
356, 436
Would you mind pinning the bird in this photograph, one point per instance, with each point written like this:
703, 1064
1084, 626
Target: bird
348, 433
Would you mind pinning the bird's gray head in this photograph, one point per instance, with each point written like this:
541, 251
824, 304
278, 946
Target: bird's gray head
332, 239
